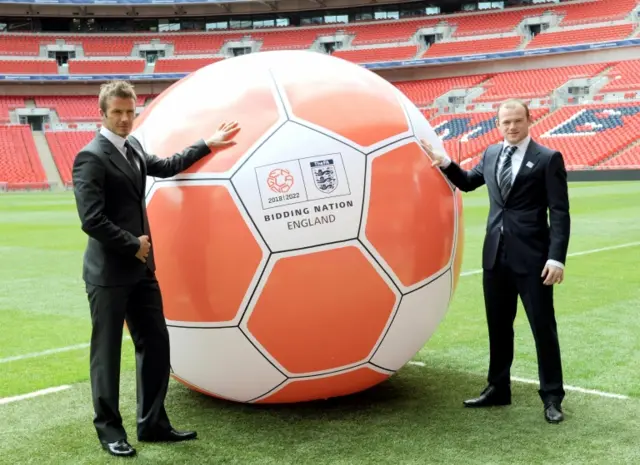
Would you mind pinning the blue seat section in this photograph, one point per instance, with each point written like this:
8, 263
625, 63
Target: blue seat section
594, 120
459, 126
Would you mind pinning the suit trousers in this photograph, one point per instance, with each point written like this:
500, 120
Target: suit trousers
140, 305
501, 290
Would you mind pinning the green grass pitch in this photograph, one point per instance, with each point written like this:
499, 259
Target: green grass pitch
416, 417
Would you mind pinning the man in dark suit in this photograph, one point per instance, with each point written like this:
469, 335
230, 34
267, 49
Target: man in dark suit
109, 177
522, 255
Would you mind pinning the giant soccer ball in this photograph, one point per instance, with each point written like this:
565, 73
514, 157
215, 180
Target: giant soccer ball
316, 256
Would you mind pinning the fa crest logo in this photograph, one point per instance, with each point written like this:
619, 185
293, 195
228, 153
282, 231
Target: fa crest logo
324, 175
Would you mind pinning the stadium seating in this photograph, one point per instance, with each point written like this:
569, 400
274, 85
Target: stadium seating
64, 146
589, 12
589, 134
467, 135
628, 158
371, 55
75, 108
20, 164
386, 32
624, 75
291, 38
380, 32
28, 67
7, 104
135, 65
473, 24
425, 91
182, 65
581, 36
466, 47
534, 83
597, 135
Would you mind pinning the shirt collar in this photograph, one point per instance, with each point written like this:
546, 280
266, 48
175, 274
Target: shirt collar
114, 138
522, 145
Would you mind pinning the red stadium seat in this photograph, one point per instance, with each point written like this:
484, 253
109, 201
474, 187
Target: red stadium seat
19, 159
64, 146
371, 55
599, 135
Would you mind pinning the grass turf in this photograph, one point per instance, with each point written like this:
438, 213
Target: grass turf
415, 417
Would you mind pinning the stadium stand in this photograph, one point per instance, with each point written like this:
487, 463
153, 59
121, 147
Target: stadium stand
597, 130
8, 104
371, 55
131, 66
581, 36
64, 146
587, 135
20, 164
534, 83
183, 65
463, 47
627, 158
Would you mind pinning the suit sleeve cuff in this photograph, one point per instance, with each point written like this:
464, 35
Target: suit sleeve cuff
202, 148
446, 162
555, 263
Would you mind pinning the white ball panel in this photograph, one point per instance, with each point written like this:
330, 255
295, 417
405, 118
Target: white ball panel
202, 358
417, 318
321, 188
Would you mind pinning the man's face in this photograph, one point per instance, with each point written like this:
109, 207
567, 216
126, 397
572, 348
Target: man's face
119, 115
513, 123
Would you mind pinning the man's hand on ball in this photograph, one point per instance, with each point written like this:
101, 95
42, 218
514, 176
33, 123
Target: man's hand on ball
552, 275
437, 159
143, 252
223, 136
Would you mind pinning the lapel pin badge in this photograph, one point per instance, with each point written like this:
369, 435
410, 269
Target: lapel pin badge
529, 164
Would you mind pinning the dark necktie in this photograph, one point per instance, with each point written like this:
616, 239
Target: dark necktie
128, 150
504, 179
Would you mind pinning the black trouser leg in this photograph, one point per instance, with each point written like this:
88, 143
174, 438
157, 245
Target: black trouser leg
146, 323
501, 301
107, 306
538, 303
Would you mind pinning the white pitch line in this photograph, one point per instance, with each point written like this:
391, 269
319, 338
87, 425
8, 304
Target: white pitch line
466, 273
42, 392
43, 353
595, 392
574, 254
566, 387
47, 352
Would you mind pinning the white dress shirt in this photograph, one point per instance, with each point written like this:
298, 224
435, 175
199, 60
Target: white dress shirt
516, 162
516, 158
118, 142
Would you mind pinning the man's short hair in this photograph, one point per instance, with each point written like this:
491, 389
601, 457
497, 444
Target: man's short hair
121, 89
513, 103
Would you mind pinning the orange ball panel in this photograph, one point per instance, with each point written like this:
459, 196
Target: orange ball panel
204, 269
457, 258
322, 310
328, 98
340, 384
254, 108
408, 224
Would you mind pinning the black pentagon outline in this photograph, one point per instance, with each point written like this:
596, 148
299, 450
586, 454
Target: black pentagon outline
321, 375
367, 254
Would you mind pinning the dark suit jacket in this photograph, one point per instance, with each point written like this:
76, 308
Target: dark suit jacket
530, 236
111, 204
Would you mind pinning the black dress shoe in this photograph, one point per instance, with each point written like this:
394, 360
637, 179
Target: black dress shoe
170, 436
490, 397
120, 448
553, 413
